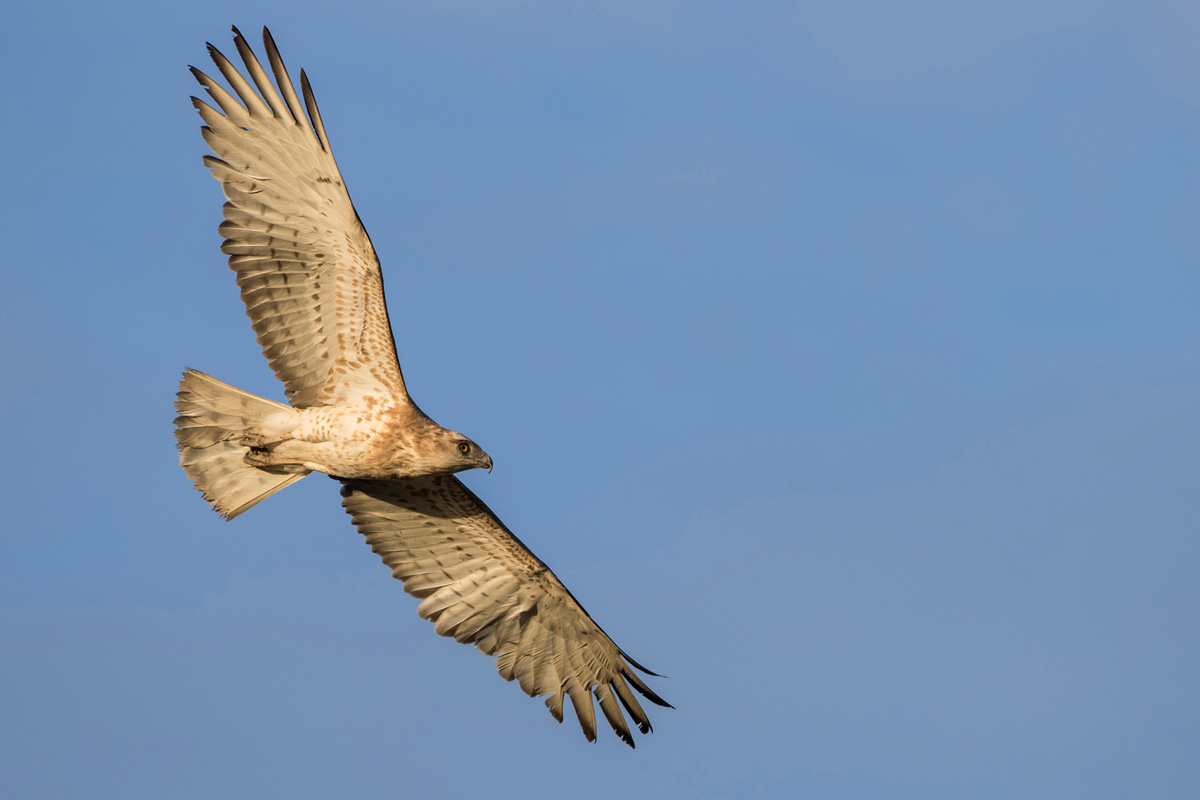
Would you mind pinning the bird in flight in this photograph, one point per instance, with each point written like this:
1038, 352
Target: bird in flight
313, 290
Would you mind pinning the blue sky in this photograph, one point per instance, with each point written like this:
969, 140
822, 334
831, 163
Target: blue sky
842, 360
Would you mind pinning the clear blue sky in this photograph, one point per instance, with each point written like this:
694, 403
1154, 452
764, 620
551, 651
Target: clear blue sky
841, 359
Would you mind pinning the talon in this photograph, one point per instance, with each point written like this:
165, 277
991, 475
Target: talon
257, 457
254, 441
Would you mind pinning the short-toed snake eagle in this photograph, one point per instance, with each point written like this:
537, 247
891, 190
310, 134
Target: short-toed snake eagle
314, 294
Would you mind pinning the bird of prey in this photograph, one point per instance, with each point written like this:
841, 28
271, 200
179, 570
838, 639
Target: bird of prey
314, 293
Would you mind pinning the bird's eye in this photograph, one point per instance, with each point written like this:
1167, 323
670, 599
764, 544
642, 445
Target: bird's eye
464, 448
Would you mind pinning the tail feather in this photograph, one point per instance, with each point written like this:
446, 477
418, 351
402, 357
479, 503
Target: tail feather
213, 417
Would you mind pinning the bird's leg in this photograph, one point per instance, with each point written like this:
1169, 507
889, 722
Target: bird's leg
259, 449
256, 441
257, 457
265, 457
269, 432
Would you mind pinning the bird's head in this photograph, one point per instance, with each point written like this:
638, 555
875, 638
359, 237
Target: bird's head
461, 453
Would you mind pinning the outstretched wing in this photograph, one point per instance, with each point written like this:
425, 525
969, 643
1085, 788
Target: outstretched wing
308, 273
480, 585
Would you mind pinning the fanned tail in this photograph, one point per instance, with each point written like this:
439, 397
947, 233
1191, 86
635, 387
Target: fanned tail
213, 418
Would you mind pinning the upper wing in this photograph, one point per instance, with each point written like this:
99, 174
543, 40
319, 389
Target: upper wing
308, 273
479, 584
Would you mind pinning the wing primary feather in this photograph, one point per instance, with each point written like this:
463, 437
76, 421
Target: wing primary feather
629, 658
314, 114
585, 711
224, 100
259, 75
555, 703
629, 700
646, 691
612, 712
254, 104
282, 78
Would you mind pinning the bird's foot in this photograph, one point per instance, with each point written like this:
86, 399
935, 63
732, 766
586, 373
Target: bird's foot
255, 441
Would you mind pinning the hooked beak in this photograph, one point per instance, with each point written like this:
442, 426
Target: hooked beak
486, 462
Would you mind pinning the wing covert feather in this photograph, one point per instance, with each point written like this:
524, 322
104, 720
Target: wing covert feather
308, 273
479, 584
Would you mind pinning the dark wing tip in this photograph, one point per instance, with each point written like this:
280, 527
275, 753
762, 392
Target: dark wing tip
649, 672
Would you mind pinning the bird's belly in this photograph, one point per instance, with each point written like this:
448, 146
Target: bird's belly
345, 442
